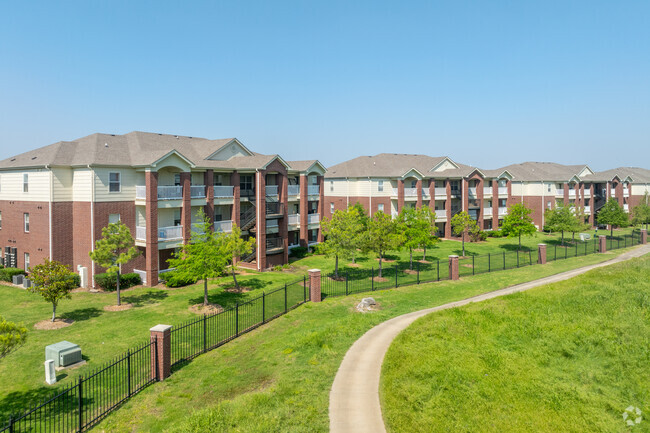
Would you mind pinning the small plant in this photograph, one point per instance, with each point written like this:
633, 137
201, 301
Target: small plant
109, 281
298, 252
12, 336
53, 281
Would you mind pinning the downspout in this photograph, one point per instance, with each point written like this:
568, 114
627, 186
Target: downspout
92, 223
347, 192
370, 198
259, 216
543, 204
50, 209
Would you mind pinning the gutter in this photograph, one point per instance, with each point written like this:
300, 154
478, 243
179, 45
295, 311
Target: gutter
50, 209
92, 223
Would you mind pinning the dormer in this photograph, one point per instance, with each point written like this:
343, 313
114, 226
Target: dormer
232, 149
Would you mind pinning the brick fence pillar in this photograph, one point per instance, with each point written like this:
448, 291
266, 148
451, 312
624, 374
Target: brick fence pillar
602, 244
453, 268
161, 335
644, 236
314, 285
541, 254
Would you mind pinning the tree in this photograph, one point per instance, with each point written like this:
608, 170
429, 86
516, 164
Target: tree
613, 214
383, 236
206, 255
53, 281
518, 222
341, 235
360, 228
641, 212
237, 247
415, 224
115, 248
462, 223
429, 216
12, 336
560, 219
579, 223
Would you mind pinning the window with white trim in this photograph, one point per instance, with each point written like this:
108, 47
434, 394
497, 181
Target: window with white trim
27, 261
26, 220
0, 219
113, 218
114, 182
331, 185
25, 182
380, 207
380, 185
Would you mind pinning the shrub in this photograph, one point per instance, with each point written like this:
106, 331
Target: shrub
6, 274
495, 234
76, 279
298, 252
173, 279
479, 235
108, 281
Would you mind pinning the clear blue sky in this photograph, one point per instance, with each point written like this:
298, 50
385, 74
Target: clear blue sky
486, 82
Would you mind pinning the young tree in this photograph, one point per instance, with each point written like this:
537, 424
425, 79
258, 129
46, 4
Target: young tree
429, 216
560, 219
359, 230
115, 248
383, 236
415, 224
518, 222
641, 212
12, 337
462, 223
237, 247
341, 232
579, 223
613, 215
205, 256
53, 281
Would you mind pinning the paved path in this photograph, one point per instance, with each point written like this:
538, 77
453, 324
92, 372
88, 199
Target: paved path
354, 397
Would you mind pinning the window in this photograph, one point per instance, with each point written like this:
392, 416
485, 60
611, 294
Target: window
113, 218
380, 207
332, 207
114, 182
246, 182
331, 185
454, 185
0, 219
25, 182
177, 217
218, 181
549, 204
380, 185
27, 261
26, 218
414, 183
503, 182
177, 179
548, 187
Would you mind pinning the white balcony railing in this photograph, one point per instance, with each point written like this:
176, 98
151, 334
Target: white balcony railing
140, 192
441, 191
626, 207
613, 192
223, 226
293, 189
140, 233
441, 213
170, 233
197, 191
394, 192
503, 190
487, 211
626, 192
559, 192
271, 190
410, 192
487, 190
313, 189
587, 192
223, 191
294, 219
313, 218
503, 211
572, 193
425, 192
471, 191
587, 209
170, 192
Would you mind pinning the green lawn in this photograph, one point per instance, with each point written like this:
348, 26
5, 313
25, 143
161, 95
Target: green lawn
570, 357
278, 377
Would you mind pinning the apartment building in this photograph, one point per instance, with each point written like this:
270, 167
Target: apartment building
54, 201
388, 182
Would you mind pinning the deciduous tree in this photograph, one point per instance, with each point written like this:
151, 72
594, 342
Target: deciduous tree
53, 281
518, 222
613, 214
416, 225
560, 219
12, 336
462, 223
383, 236
236, 246
641, 212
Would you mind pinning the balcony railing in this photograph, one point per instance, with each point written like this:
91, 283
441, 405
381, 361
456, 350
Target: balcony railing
222, 191
626, 207
559, 192
441, 213
170, 233
487, 211
197, 191
503, 190
613, 192
626, 192
487, 190
471, 191
425, 192
273, 243
394, 191
141, 233
410, 192
170, 192
587, 209
572, 193
313, 218
503, 211
271, 190
441, 191
274, 208
313, 189
294, 219
293, 189
140, 192
223, 226
272, 224
587, 192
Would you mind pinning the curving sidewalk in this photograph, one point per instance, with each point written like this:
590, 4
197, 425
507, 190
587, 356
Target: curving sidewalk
354, 397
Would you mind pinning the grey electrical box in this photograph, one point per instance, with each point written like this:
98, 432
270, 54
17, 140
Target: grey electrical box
63, 353
18, 279
27, 283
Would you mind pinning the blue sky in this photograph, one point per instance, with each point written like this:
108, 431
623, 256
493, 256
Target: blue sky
487, 83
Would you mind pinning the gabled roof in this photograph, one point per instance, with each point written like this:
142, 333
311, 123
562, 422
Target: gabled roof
306, 165
634, 174
542, 171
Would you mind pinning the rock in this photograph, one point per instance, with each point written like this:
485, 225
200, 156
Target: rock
366, 305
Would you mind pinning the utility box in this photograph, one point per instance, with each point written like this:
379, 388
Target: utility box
63, 353
27, 283
18, 279
83, 276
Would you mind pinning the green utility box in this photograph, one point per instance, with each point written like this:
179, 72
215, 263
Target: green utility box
63, 353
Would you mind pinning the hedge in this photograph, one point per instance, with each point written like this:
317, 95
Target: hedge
109, 282
172, 279
6, 274
298, 252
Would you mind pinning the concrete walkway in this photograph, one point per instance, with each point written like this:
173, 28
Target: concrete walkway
354, 397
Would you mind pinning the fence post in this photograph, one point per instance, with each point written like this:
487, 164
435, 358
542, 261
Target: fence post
237, 319
263, 308
395, 275
541, 254
314, 285
473, 271
602, 244
346, 283
644, 236
489, 264
372, 279
161, 365
128, 369
81, 405
517, 258
438, 262
304, 289
453, 267
285, 298
418, 271
11, 424
504, 260
530, 257
205, 333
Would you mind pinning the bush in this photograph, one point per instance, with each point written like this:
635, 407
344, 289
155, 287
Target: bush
172, 279
495, 234
76, 279
298, 252
479, 235
6, 274
109, 282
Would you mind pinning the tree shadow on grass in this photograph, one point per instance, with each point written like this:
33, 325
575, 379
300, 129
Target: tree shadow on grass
15, 403
249, 283
81, 314
141, 299
225, 299
515, 247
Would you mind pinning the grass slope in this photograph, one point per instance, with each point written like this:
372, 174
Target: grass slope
278, 377
567, 357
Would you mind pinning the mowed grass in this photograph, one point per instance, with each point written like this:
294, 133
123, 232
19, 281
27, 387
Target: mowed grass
569, 357
278, 377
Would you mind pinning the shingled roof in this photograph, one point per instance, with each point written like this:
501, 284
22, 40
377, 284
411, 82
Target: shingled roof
539, 171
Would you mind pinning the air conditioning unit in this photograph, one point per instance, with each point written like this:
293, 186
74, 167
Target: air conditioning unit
27, 283
18, 279
63, 353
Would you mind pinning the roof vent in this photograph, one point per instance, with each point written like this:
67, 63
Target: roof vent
176, 136
33, 158
13, 159
112, 135
105, 144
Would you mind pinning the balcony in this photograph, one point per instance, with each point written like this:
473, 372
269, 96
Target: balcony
221, 191
626, 207
612, 192
572, 193
274, 208
455, 192
487, 211
293, 190
503, 211
197, 191
313, 189
410, 192
140, 233
271, 190
272, 226
164, 192
394, 192
441, 214
587, 209
559, 192
441, 192
247, 193
313, 218
487, 190
293, 219
223, 226
471, 191
626, 192
503, 190
425, 192
274, 243
164, 233
587, 192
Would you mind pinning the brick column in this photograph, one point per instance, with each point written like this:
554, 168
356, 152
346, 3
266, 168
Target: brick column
565, 189
541, 254
602, 244
453, 268
592, 202
400, 195
151, 218
619, 193
448, 209
479, 197
644, 236
161, 335
321, 204
208, 180
581, 196
260, 193
314, 285
303, 208
464, 186
432, 194
236, 198
509, 197
495, 205
418, 185
186, 210
283, 191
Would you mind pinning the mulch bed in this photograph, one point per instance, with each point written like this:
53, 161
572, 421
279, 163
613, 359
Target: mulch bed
49, 325
379, 279
241, 289
354, 265
123, 307
410, 271
206, 309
